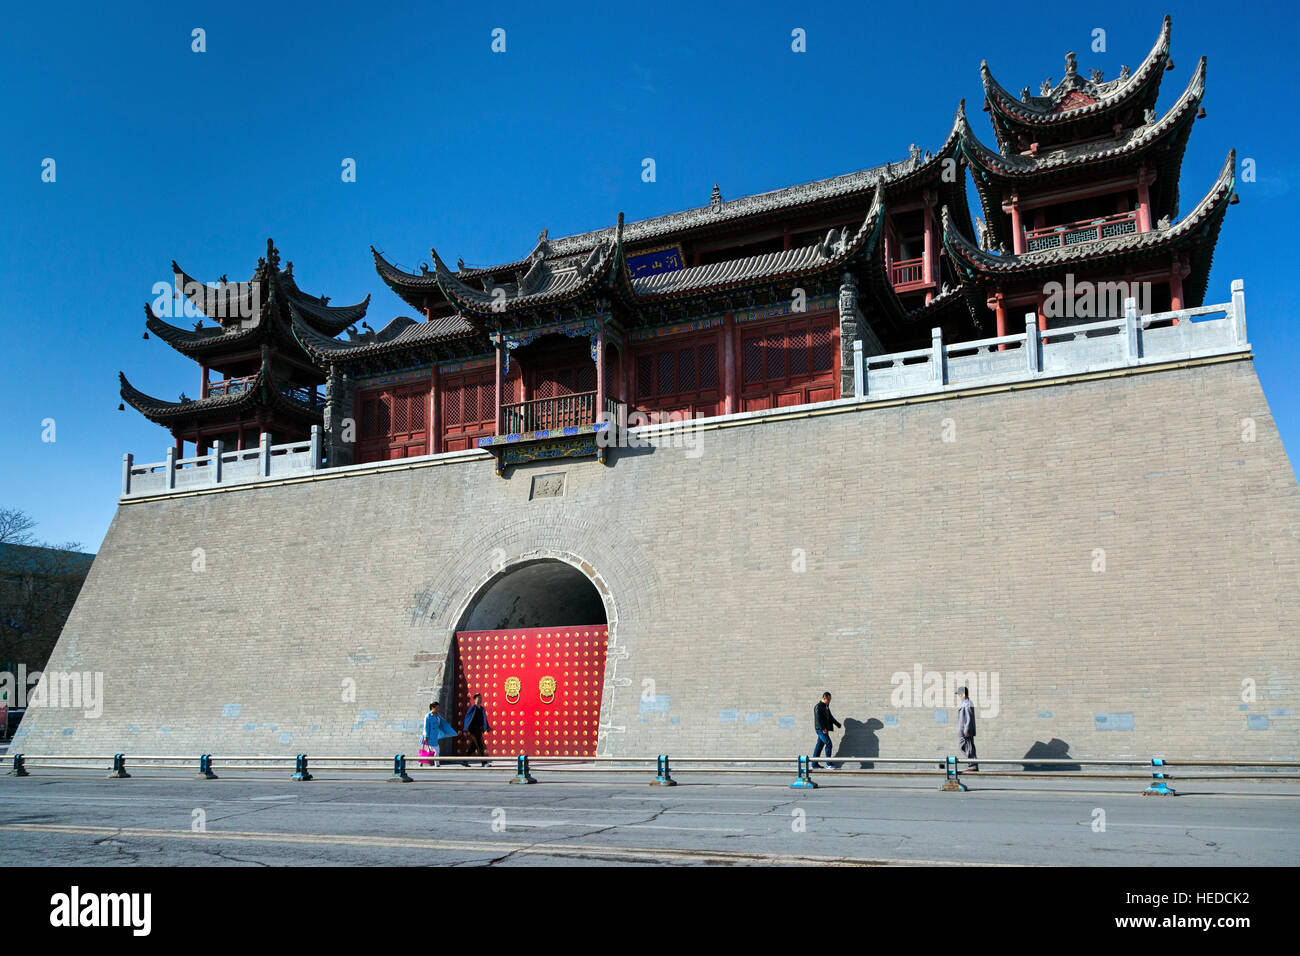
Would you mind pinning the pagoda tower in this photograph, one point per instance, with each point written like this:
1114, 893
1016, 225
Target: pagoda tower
1082, 194
264, 381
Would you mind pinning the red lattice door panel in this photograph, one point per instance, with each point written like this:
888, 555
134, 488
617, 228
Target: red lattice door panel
541, 688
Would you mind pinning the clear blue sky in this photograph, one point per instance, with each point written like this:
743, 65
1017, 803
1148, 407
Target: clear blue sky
164, 153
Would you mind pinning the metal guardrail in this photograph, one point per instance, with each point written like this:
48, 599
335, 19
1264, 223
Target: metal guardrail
1155, 770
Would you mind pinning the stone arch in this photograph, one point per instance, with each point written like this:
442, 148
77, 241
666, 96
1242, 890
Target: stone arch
538, 590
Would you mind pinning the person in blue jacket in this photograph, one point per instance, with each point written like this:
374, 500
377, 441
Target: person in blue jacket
436, 729
476, 725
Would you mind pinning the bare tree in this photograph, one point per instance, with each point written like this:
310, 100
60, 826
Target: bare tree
16, 526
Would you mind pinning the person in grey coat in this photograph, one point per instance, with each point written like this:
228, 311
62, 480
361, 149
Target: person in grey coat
966, 726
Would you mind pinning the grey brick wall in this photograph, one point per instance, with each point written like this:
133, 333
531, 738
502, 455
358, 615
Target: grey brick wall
975, 554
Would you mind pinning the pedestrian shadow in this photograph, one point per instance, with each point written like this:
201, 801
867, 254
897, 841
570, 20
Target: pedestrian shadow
1055, 749
859, 740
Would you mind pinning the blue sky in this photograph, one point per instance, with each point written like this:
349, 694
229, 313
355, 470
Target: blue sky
165, 153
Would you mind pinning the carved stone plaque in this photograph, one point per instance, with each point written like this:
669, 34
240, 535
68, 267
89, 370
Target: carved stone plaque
548, 486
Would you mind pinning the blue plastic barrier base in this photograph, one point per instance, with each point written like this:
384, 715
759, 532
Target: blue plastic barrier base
1159, 790
663, 782
803, 784
522, 779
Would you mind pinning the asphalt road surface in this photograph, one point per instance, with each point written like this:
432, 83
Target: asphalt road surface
474, 817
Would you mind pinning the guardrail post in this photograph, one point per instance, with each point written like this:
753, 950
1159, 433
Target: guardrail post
859, 370
218, 449
1132, 350
521, 770
264, 455
300, 765
171, 468
1239, 309
1158, 785
952, 779
127, 462
399, 766
19, 768
315, 447
205, 768
804, 781
938, 361
118, 771
664, 778
1032, 364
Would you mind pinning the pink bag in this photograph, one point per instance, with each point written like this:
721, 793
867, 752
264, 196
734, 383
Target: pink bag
427, 751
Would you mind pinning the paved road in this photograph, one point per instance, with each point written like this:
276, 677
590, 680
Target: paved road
474, 817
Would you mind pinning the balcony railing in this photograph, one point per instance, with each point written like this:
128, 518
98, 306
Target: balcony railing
906, 271
230, 386
303, 394
543, 414
1073, 233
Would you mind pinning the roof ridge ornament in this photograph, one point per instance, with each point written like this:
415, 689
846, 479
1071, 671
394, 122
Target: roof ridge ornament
715, 200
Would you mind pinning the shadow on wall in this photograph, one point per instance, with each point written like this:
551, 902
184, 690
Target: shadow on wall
859, 740
1056, 749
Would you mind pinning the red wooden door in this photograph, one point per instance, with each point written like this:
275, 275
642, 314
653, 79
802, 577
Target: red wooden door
541, 688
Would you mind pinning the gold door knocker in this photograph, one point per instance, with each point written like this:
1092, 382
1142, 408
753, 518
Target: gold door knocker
513, 687
547, 688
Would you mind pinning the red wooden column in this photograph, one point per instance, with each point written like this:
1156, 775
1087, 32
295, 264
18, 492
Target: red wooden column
600, 369
498, 380
1144, 201
434, 443
203, 387
730, 402
1017, 226
1000, 306
928, 265
1176, 288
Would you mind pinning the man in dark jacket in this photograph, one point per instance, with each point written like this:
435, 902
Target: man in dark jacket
823, 722
476, 725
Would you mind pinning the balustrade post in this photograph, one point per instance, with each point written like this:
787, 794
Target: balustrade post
171, 468
218, 449
264, 455
127, 462
859, 370
315, 447
1132, 346
1239, 310
938, 365
1031, 344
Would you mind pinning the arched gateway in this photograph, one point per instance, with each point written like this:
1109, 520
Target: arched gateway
532, 641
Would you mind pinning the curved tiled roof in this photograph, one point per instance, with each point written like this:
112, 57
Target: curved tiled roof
1208, 212
262, 390
159, 410
400, 333
547, 281
831, 253
1141, 87
413, 288
1130, 141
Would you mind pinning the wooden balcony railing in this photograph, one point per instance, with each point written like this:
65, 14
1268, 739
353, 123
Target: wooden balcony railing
547, 413
906, 271
229, 386
1073, 233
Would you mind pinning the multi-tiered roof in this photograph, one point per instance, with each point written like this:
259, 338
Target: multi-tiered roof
269, 379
